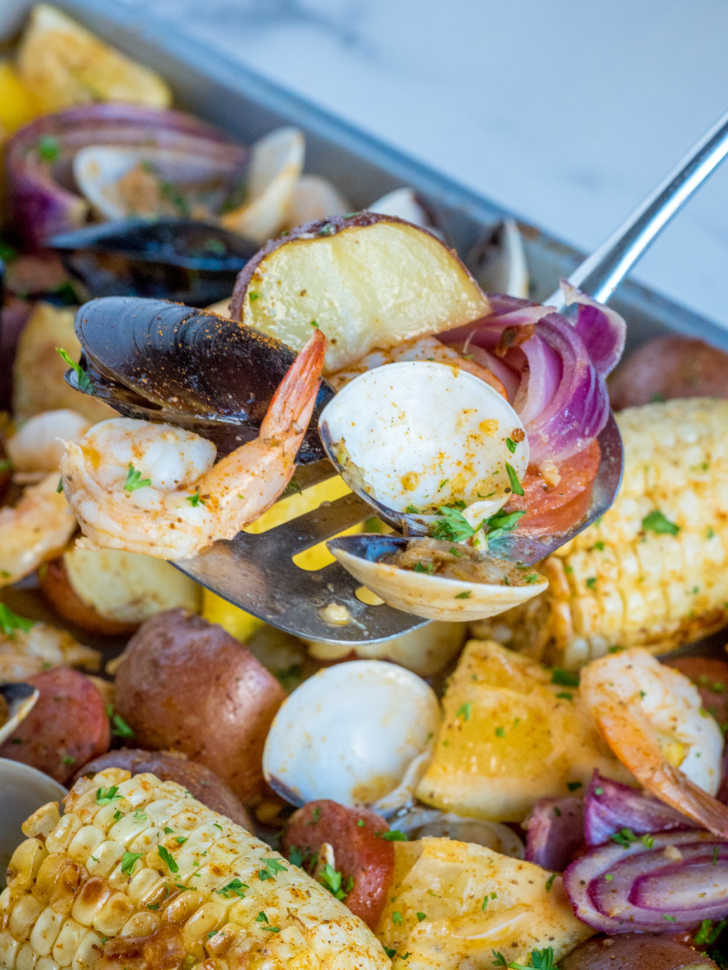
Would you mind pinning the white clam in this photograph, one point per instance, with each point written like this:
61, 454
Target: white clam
359, 733
18, 700
276, 163
315, 198
420, 822
415, 436
471, 587
404, 203
499, 264
22, 791
426, 650
100, 170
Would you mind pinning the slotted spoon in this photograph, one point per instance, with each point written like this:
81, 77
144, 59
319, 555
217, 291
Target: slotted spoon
257, 573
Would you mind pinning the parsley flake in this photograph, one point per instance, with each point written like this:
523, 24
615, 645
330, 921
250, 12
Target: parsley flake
166, 856
134, 479
83, 380
516, 486
10, 621
464, 711
655, 521
128, 861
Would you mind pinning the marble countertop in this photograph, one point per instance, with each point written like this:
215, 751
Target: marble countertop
566, 113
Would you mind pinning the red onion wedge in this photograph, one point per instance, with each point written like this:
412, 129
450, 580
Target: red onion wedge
556, 369
657, 883
554, 831
39, 158
611, 806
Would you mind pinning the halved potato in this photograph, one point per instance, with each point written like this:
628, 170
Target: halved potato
38, 371
65, 64
108, 591
366, 281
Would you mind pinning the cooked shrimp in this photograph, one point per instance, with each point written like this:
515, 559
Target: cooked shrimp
36, 449
421, 348
34, 530
24, 653
155, 488
652, 718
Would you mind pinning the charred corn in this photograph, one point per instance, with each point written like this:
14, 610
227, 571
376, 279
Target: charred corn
654, 571
135, 874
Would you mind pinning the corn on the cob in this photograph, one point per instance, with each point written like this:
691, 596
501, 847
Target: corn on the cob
654, 572
138, 875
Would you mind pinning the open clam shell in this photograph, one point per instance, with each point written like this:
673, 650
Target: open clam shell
413, 437
161, 361
276, 162
16, 702
436, 580
420, 822
499, 262
22, 791
176, 259
121, 181
356, 732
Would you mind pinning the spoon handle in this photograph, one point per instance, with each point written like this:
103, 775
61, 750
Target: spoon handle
602, 272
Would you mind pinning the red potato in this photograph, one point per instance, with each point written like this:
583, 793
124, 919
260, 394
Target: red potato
668, 367
635, 951
67, 727
186, 685
364, 859
58, 590
199, 781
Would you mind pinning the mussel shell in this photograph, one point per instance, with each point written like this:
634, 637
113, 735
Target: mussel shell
163, 361
176, 259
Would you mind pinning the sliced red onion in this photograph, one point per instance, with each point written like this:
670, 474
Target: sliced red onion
603, 330
559, 367
670, 881
42, 193
554, 831
611, 806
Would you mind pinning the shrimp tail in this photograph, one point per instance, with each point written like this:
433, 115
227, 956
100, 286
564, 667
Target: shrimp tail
292, 404
676, 790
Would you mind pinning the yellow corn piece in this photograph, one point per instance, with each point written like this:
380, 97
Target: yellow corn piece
137, 873
653, 572
17, 104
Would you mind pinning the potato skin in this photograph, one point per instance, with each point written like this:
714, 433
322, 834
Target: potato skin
668, 367
635, 951
187, 685
67, 727
57, 589
202, 783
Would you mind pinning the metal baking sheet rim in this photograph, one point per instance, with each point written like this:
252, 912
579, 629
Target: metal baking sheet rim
217, 87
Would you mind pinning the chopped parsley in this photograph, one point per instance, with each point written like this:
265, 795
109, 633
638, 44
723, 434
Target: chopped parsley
624, 837
501, 523
270, 869
166, 856
134, 479
516, 486
253, 296
532, 578
396, 916
647, 840
573, 785
296, 856
59, 486
48, 148
464, 711
707, 933
195, 499
10, 621
550, 882
421, 917
68, 760
119, 727
106, 795
234, 888
591, 582
118, 815
565, 678
328, 229
84, 381
511, 445
452, 526
262, 918
393, 835
332, 879
465, 595
424, 567
128, 861
657, 522
500, 732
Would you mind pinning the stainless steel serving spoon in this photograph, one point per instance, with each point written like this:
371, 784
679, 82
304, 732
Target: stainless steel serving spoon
257, 573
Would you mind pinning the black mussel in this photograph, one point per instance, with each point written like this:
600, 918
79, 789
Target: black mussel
177, 259
163, 361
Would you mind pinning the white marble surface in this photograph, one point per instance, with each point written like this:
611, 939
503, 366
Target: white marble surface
567, 112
